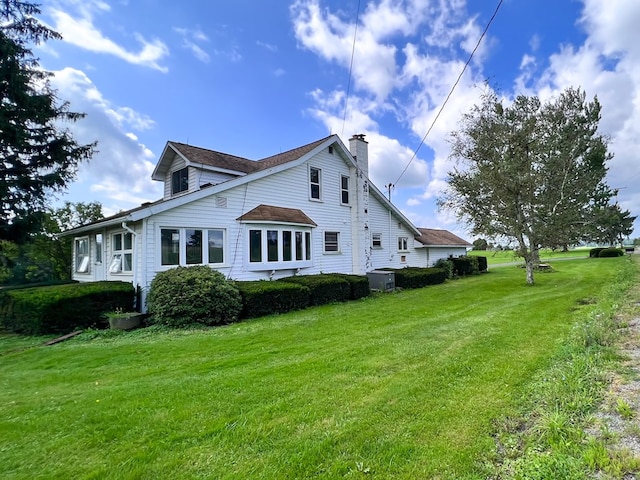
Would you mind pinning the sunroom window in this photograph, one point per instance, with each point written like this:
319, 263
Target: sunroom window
191, 246
98, 248
122, 257
82, 255
280, 247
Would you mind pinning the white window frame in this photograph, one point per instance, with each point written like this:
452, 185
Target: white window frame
329, 243
179, 236
403, 244
305, 248
318, 184
376, 243
82, 257
344, 190
117, 264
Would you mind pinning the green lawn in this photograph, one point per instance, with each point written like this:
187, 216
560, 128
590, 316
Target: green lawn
546, 255
404, 385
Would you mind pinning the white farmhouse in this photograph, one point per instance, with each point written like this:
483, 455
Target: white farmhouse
309, 210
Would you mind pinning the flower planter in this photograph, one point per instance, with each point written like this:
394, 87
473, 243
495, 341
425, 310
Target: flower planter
125, 321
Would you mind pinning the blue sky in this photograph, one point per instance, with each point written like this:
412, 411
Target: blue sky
254, 78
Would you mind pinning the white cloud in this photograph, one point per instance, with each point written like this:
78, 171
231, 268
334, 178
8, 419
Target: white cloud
189, 39
607, 65
80, 30
121, 169
407, 57
267, 46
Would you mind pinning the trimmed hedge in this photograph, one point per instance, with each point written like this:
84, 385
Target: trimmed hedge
262, 297
595, 252
610, 252
483, 265
416, 277
465, 265
359, 285
63, 308
323, 288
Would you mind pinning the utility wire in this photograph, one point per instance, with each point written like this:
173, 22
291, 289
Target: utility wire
353, 52
451, 91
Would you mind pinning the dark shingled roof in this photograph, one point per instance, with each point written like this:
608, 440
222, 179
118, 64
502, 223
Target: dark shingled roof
215, 159
239, 164
433, 236
288, 156
269, 213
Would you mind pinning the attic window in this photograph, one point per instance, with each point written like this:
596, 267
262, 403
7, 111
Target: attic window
180, 181
331, 149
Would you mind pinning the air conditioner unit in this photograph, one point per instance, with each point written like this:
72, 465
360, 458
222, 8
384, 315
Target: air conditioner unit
381, 280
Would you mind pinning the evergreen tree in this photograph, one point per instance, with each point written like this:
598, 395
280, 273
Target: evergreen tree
37, 156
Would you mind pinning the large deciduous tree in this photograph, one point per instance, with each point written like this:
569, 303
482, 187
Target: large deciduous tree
529, 171
45, 256
37, 156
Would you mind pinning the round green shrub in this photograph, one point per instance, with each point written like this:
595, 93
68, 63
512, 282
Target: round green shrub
193, 295
595, 252
611, 252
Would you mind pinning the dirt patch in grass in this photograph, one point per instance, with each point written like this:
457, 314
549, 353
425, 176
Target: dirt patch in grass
617, 421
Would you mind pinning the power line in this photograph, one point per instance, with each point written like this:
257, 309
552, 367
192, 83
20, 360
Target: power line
353, 52
452, 89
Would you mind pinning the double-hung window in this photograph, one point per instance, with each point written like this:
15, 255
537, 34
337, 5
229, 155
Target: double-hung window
315, 179
122, 253
376, 240
180, 181
403, 244
82, 255
344, 190
191, 246
332, 242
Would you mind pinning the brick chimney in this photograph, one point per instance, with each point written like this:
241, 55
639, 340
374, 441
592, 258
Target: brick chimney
358, 147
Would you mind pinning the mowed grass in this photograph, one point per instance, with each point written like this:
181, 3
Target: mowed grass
546, 255
405, 385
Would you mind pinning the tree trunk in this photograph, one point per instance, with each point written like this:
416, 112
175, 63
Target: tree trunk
530, 265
